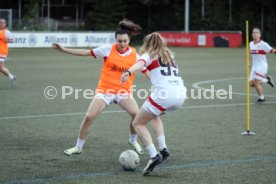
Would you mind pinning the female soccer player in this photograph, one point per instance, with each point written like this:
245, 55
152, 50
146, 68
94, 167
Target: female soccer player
117, 58
168, 95
259, 68
5, 38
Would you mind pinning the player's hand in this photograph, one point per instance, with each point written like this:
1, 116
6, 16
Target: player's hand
9, 40
124, 77
57, 46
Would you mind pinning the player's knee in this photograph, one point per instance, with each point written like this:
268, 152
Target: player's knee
89, 118
256, 82
135, 125
133, 113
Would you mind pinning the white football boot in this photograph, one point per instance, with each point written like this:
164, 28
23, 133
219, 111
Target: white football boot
71, 151
136, 147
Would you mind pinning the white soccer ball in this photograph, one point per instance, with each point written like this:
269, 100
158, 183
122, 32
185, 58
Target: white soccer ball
129, 160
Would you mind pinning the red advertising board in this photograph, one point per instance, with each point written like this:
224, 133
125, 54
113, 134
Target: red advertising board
203, 39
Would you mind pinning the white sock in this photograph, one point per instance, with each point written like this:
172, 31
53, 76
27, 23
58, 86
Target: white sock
264, 80
261, 97
10, 76
151, 150
161, 142
80, 143
132, 138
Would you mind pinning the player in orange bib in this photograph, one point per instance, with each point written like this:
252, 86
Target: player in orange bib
117, 59
5, 38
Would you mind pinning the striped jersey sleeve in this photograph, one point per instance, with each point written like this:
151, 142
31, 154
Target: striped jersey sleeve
102, 51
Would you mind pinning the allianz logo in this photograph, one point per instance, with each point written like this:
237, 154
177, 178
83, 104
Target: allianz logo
54, 39
20, 40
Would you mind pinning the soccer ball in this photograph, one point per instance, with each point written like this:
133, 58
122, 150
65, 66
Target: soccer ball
129, 160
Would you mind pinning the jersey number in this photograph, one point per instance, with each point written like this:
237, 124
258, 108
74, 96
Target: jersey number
169, 70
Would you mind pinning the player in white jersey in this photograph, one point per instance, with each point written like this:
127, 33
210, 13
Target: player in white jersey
169, 94
259, 68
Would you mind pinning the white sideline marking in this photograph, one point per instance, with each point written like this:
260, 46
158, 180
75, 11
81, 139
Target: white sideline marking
197, 86
55, 115
120, 111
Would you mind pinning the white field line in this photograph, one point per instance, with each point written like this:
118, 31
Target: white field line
122, 111
197, 86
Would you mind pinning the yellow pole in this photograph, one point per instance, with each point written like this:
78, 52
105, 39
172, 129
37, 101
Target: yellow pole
247, 80
247, 132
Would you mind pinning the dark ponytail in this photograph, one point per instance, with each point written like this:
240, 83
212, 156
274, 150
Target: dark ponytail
128, 27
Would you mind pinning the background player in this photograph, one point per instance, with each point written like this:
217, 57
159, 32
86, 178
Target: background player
5, 38
259, 69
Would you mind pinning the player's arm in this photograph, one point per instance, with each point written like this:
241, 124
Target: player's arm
268, 48
147, 74
145, 71
9, 40
9, 37
273, 51
76, 52
137, 66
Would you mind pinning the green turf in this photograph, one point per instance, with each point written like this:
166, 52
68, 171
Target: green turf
203, 136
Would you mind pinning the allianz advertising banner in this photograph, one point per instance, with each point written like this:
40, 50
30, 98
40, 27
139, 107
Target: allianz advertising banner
73, 39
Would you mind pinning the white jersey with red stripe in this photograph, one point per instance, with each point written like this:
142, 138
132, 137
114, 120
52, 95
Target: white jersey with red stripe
169, 91
162, 76
258, 53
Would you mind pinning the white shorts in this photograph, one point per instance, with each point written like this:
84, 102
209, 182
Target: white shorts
258, 72
110, 98
161, 102
2, 59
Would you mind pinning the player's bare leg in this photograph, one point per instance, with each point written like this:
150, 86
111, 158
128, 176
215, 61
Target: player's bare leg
131, 107
259, 90
7, 73
139, 123
158, 127
95, 108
